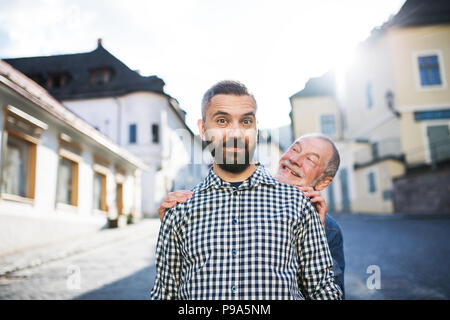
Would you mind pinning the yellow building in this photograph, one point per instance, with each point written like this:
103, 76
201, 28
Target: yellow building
393, 110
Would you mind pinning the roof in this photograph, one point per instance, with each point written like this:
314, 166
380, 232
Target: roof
421, 12
320, 86
30, 90
78, 67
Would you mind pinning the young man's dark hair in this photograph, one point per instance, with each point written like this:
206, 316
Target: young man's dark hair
224, 87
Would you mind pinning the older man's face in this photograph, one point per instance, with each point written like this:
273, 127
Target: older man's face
304, 162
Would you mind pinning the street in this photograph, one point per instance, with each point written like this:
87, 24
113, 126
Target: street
411, 254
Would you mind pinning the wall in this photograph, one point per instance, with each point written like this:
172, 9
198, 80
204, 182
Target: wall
423, 193
24, 225
372, 64
368, 202
405, 44
169, 161
306, 112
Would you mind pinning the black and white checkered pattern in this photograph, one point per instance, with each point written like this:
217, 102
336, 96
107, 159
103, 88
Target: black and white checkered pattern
263, 240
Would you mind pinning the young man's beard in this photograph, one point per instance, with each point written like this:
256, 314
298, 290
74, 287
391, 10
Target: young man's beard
233, 162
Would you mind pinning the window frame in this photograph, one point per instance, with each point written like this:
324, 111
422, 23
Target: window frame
65, 144
32, 142
100, 167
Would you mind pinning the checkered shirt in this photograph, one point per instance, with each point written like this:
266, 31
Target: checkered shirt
263, 240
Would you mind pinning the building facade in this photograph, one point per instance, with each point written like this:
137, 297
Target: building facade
59, 176
391, 114
130, 109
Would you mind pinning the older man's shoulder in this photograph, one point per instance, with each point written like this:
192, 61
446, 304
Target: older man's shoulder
288, 189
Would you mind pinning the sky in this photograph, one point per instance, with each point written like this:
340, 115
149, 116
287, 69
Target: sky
273, 47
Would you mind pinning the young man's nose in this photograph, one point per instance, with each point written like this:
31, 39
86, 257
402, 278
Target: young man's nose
235, 132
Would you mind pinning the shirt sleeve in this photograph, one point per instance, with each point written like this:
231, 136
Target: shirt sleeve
168, 260
336, 245
315, 276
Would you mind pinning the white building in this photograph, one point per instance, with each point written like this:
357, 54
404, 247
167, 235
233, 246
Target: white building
132, 110
59, 176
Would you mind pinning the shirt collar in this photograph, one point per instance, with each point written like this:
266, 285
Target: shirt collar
261, 175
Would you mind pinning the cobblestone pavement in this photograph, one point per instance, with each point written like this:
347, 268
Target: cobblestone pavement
121, 269
411, 252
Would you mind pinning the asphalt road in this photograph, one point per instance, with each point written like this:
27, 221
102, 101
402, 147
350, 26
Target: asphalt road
407, 257
411, 253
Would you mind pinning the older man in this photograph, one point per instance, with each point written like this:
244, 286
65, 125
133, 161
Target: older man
243, 235
310, 164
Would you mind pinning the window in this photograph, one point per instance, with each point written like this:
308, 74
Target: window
101, 171
369, 95
70, 156
387, 195
375, 150
155, 133
132, 133
67, 182
432, 115
100, 76
100, 191
57, 80
371, 180
327, 124
21, 135
16, 165
429, 70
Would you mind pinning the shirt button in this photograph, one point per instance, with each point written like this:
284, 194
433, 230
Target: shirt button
234, 252
234, 289
234, 221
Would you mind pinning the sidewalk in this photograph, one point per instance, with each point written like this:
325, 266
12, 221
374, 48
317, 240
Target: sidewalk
35, 257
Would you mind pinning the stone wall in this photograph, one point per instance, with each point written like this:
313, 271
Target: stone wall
423, 193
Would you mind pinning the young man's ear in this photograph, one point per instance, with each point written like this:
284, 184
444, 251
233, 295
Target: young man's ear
322, 184
201, 129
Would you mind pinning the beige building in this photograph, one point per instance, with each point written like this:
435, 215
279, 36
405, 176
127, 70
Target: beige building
392, 113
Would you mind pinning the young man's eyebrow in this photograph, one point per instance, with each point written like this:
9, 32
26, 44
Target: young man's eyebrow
251, 113
222, 113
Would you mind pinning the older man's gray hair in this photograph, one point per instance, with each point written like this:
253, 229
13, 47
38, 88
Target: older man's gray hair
333, 163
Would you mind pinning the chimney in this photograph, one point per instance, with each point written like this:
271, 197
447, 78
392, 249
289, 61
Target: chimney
99, 42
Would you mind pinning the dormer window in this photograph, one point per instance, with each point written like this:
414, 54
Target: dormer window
57, 80
100, 76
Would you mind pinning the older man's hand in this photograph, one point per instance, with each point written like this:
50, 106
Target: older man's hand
317, 200
171, 201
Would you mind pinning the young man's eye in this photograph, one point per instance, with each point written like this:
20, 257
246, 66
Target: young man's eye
221, 121
247, 121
